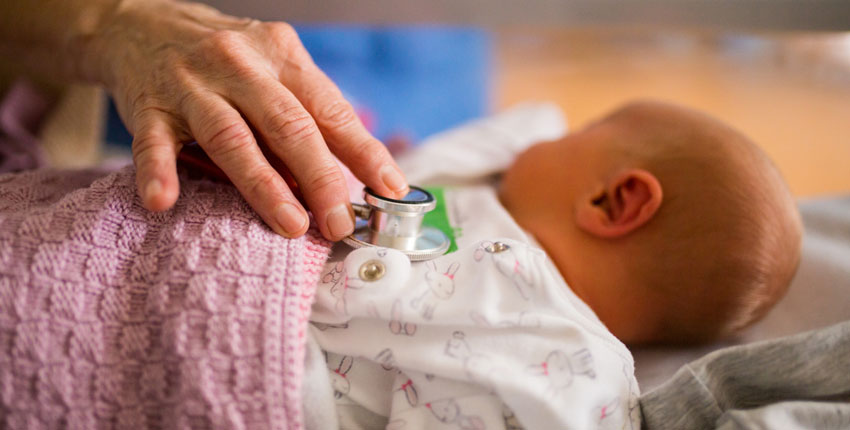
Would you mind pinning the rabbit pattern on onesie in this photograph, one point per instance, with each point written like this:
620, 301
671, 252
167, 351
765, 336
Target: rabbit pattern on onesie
486, 337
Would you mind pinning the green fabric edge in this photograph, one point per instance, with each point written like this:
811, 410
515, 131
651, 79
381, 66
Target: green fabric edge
439, 217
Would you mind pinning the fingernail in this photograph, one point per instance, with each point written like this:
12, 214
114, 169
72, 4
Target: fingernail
290, 218
152, 189
340, 221
393, 179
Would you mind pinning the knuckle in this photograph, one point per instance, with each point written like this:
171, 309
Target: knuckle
228, 48
240, 71
144, 150
291, 124
232, 138
260, 182
179, 70
326, 178
189, 101
144, 113
172, 59
224, 40
281, 31
286, 38
147, 156
138, 103
368, 152
337, 115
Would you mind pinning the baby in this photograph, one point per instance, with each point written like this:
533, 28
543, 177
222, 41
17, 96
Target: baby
667, 226
670, 225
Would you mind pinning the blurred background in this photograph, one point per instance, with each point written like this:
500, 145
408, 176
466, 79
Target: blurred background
777, 70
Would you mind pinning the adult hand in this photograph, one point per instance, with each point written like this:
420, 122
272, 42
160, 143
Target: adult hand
182, 72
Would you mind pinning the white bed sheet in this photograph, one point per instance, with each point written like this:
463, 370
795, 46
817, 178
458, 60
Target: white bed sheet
819, 295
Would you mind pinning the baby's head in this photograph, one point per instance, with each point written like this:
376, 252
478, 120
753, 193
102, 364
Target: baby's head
670, 225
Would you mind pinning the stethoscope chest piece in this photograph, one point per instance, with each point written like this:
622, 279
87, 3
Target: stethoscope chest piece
398, 224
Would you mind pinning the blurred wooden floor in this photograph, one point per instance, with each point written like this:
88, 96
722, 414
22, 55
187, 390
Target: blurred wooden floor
788, 92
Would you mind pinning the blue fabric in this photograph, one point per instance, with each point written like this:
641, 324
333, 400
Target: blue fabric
414, 81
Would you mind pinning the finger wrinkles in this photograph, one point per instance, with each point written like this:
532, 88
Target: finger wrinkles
137, 102
261, 182
169, 125
153, 133
145, 161
144, 150
228, 141
150, 111
189, 101
290, 124
147, 114
369, 154
325, 178
337, 115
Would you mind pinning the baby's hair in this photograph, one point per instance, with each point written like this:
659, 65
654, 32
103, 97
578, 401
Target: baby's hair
725, 242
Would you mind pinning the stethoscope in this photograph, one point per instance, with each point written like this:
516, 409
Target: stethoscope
382, 222
398, 224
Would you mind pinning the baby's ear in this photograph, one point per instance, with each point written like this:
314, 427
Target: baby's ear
624, 203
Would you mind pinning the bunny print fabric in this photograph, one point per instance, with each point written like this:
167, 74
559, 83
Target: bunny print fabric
488, 337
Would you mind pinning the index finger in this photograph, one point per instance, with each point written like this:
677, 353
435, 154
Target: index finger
343, 131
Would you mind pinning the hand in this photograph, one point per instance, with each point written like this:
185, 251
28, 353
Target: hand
182, 71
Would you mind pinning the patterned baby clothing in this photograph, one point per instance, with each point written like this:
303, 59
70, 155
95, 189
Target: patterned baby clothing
486, 337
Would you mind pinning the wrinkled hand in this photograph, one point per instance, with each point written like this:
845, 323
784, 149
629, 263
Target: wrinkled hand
182, 72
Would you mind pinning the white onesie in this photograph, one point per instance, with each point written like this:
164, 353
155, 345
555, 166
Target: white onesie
486, 337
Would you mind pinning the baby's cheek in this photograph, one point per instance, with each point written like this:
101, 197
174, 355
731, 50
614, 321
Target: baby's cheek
515, 180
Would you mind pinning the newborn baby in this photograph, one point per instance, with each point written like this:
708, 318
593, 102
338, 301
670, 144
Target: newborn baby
667, 226
672, 226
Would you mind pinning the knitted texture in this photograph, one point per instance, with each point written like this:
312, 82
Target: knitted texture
115, 317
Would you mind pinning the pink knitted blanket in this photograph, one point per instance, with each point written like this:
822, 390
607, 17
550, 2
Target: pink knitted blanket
115, 317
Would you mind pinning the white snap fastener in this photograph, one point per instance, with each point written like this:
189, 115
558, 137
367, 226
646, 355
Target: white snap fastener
372, 270
497, 247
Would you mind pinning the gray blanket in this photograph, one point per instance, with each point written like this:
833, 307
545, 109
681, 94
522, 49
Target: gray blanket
798, 382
